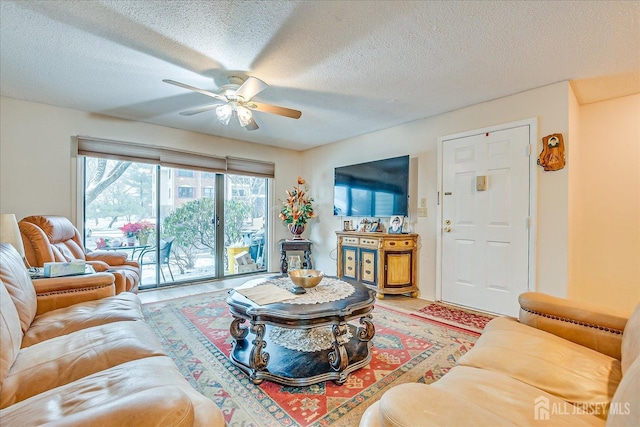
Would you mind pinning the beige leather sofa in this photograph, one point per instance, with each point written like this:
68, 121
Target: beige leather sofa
75, 354
52, 238
564, 363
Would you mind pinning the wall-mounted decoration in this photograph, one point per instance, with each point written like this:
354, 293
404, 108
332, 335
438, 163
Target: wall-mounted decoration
552, 156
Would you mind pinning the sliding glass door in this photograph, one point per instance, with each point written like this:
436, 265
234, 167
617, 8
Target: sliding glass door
181, 225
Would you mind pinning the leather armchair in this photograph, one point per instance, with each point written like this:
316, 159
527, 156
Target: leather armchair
50, 238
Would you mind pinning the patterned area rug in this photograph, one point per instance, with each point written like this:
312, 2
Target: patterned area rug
195, 333
454, 316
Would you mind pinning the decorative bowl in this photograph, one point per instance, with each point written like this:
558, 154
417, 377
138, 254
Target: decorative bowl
306, 278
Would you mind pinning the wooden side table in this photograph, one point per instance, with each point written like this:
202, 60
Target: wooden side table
301, 245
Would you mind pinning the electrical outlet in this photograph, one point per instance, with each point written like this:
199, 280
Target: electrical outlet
422, 212
423, 202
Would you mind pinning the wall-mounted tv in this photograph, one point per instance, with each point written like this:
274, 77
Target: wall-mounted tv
379, 188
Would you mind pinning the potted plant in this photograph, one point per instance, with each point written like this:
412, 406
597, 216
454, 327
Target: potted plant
146, 229
297, 209
134, 230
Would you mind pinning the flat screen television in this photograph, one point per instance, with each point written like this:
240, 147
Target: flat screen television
376, 189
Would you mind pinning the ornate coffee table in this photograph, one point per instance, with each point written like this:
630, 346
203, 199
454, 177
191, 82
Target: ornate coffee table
348, 349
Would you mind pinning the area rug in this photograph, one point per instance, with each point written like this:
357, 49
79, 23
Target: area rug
195, 333
454, 316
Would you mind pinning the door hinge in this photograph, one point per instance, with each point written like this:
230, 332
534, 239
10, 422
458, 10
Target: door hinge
529, 222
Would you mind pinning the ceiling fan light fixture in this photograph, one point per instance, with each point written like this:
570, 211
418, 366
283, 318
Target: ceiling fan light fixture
244, 115
237, 98
224, 113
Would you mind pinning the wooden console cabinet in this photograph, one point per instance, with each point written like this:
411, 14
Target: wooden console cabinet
384, 262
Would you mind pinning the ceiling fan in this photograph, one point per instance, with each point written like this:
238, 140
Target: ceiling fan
236, 98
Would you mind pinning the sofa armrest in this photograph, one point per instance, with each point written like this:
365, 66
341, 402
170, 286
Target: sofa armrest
108, 257
58, 292
585, 324
112, 258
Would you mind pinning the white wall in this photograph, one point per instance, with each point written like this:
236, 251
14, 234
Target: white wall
418, 139
605, 205
38, 172
577, 246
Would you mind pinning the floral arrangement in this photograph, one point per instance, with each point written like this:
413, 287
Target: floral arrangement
137, 229
298, 208
146, 228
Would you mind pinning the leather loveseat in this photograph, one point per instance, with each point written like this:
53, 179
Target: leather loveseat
51, 238
563, 364
75, 354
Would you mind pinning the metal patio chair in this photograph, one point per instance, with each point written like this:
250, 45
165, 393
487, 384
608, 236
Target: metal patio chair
164, 249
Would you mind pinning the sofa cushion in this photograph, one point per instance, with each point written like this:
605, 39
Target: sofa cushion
64, 359
57, 228
121, 307
10, 333
631, 340
16, 278
137, 393
564, 369
62, 235
469, 396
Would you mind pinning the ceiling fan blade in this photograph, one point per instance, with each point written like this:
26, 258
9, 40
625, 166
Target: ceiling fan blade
200, 109
274, 109
252, 125
251, 87
195, 89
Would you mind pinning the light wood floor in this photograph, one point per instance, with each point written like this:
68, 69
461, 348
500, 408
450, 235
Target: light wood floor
170, 292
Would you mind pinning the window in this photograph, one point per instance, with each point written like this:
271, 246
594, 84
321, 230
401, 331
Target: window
185, 192
207, 192
198, 214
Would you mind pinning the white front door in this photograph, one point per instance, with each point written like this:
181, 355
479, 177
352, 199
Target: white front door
486, 219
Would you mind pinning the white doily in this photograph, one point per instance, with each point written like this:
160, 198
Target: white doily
326, 291
308, 340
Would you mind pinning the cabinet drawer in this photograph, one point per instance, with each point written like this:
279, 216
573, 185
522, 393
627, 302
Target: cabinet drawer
373, 243
350, 240
398, 244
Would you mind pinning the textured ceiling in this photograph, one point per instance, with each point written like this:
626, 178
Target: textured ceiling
351, 67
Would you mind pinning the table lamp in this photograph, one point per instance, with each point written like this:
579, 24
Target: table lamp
10, 233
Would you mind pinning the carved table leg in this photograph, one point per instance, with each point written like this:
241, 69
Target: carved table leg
258, 360
307, 259
284, 265
238, 332
338, 358
367, 331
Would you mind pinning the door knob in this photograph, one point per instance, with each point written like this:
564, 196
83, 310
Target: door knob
447, 229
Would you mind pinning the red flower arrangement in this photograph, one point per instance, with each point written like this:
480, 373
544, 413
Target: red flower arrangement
135, 229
